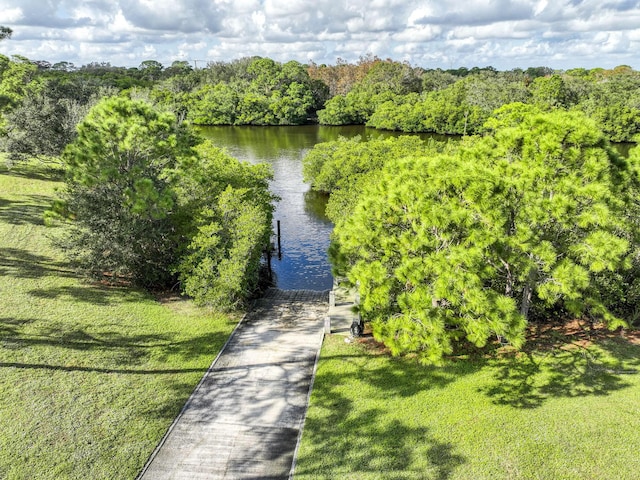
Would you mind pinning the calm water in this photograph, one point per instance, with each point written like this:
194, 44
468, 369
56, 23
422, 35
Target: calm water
304, 227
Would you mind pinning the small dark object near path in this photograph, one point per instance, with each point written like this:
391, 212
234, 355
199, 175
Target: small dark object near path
244, 418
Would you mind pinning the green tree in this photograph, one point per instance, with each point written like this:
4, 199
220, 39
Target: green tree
337, 111
330, 166
433, 80
257, 91
460, 245
15, 75
45, 120
231, 209
119, 194
552, 91
178, 68
384, 81
344, 167
403, 113
398, 78
292, 106
613, 101
5, 32
447, 111
151, 69
216, 105
417, 252
147, 203
568, 207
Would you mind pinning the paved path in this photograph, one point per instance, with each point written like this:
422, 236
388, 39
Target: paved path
341, 311
243, 420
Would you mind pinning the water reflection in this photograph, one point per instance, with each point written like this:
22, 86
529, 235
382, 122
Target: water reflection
304, 225
315, 203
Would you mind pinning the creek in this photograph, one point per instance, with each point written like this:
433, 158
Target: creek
305, 230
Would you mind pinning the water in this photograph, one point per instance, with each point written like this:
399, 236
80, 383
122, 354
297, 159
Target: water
305, 229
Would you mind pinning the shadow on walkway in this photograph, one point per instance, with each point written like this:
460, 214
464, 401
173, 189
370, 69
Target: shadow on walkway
244, 418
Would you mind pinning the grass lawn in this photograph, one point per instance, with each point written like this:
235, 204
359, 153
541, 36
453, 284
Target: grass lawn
554, 411
90, 376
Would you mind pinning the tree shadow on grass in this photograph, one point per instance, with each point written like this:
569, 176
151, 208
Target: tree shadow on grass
349, 442
42, 171
375, 447
21, 263
527, 379
91, 293
106, 352
29, 210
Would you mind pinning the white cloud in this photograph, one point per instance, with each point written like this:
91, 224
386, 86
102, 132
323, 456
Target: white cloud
498, 30
12, 15
121, 24
419, 33
503, 33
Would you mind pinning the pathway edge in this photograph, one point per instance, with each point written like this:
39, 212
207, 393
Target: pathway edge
304, 418
189, 400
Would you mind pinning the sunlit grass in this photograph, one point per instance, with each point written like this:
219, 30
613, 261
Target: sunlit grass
552, 413
90, 376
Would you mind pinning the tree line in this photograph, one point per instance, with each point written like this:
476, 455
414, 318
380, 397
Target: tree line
394, 96
37, 96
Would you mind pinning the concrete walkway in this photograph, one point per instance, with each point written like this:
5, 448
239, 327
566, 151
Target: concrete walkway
244, 418
341, 313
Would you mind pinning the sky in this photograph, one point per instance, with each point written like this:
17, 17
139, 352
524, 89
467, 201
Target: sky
560, 34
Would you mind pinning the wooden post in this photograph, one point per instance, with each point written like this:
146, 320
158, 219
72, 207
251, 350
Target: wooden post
279, 244
269, 262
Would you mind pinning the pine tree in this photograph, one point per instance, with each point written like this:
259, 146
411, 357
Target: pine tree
460, 245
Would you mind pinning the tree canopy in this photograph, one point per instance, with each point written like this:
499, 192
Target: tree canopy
5, 32
460, 101
383, 94
258, 92
463, 245
149, 204
343, 167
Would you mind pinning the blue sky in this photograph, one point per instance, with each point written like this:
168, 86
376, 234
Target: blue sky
505, 34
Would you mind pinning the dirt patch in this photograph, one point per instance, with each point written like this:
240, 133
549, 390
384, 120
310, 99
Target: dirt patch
575, 332
539, 337
168, 297
372, 346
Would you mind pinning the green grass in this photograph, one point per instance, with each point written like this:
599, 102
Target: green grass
551, 413
90, 376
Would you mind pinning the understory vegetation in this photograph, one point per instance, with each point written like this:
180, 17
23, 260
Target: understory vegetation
148, 202
91, 375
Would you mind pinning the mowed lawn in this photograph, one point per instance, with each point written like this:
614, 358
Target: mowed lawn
562, 409
91, 377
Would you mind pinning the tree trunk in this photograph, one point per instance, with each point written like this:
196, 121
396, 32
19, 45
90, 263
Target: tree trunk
527, 292
508, 290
